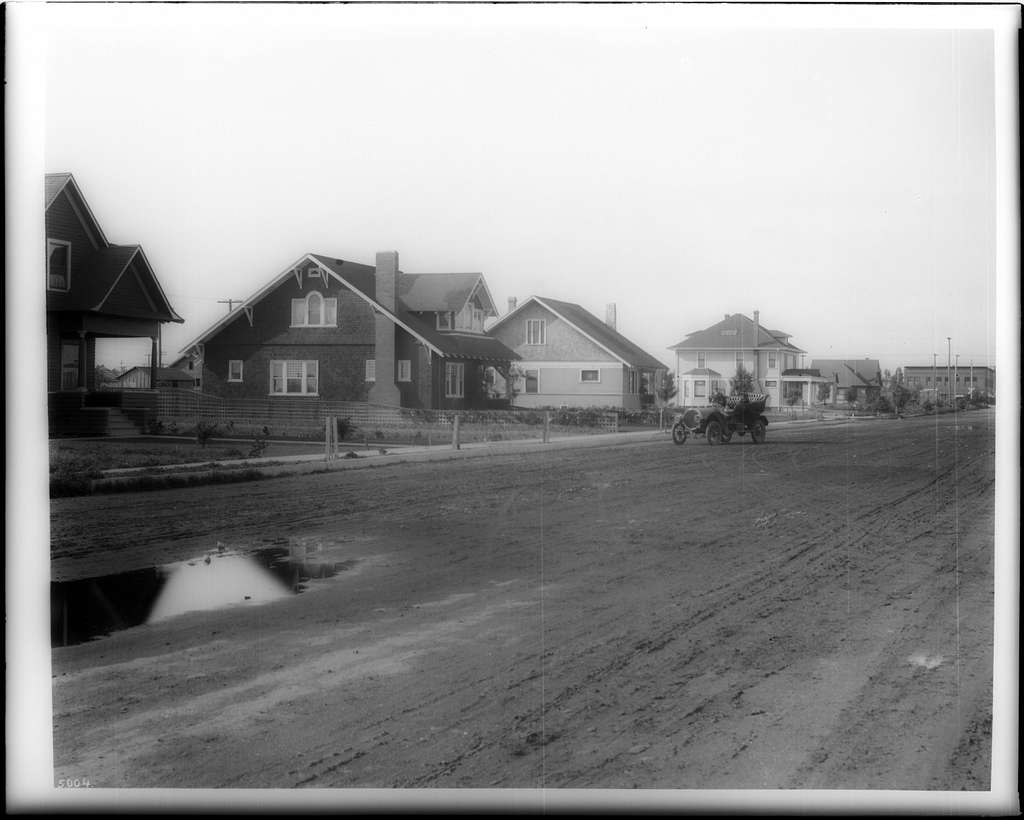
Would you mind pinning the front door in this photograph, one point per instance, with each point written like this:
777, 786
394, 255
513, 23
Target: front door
69, 365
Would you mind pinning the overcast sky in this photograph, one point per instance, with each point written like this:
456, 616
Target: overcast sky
842, 181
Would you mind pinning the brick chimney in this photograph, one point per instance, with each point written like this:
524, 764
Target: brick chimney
384, 390
609, 315
512, 303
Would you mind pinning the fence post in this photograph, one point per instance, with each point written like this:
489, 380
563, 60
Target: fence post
455, 431
327, 438
547, 426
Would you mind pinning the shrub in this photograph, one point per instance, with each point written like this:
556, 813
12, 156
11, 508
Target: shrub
205, 430
260, 442
345, 428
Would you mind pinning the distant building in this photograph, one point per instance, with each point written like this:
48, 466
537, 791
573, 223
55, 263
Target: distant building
861, 378
707, 359
140, 378
960, 380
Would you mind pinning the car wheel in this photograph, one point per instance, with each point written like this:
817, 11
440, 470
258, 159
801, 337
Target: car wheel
714, 432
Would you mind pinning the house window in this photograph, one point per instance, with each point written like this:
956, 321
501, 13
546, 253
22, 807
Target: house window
590, 375
772, 361
454, 377
532, 381
702, 360
444, 320
634, 382
298, 378
315, 311
404, 370
235, 370
535, 331
371, 370
58, 265
700, 388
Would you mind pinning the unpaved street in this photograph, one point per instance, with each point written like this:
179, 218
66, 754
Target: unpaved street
812, 613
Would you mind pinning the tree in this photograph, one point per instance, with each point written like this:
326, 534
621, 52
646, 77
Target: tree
512, 376
743, 381
667, 387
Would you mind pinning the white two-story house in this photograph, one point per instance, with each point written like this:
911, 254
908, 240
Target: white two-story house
707, 359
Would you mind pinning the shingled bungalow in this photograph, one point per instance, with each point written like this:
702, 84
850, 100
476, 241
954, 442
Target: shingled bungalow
335, 330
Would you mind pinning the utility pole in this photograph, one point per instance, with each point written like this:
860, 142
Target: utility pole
935, 383
949, 347
956, 372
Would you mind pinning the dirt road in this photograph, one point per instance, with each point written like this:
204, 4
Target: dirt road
815, 612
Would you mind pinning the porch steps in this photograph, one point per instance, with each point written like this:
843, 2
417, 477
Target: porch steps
119, 425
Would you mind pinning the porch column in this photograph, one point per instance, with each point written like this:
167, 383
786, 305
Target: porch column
153, 361
82, 360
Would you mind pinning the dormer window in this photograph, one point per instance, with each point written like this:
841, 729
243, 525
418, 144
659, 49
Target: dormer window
444, 320
58, 265
315, 311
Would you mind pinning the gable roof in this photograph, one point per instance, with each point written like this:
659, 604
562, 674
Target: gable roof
361, 280
736, 332
54, 185
100, 272
162, 374
442, 291
850, 372
598, 331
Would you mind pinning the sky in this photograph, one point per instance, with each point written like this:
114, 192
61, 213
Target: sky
841, 181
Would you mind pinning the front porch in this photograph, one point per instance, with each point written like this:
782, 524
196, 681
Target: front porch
77, 413
76, 404
805, 388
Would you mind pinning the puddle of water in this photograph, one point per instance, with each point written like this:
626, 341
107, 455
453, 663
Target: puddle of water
95, 607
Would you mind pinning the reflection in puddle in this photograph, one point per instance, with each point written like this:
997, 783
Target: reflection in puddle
93, 607
215, 582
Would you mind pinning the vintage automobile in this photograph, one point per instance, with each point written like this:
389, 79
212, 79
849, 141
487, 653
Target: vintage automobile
739, 415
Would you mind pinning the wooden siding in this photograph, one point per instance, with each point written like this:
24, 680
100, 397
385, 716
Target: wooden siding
129, 297
562, 341
62, 223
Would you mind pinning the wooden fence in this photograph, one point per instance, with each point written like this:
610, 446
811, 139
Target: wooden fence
307, 417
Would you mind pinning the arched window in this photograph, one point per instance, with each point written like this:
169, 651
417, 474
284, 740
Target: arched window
315, 310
